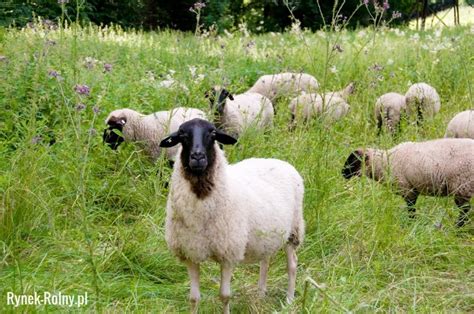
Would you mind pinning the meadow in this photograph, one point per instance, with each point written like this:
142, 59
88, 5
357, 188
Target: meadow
77, 217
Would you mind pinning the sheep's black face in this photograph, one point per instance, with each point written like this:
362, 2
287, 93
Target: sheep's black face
113, 139
353, 165
197, 138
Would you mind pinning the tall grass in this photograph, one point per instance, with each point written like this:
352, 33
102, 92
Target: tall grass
77, 217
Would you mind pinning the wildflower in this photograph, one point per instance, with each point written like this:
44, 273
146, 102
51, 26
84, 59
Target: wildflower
333, 69
36, 139
80, 107
376, 67
63, 1
89, 62
366, 2
199, 5
53, 73
396, 15
390, 61
107, 67
338, 48
82, 89
96, 109
386, 5
192, 69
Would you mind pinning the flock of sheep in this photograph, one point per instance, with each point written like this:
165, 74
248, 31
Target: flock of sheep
246, 212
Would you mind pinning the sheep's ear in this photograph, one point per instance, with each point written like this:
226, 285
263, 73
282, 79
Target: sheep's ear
226, 94
225, 139
353, 165
116, 122
171, 140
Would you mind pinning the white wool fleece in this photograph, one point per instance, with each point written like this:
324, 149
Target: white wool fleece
254, 207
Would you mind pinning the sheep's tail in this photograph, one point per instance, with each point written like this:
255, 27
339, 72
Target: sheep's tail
296, 236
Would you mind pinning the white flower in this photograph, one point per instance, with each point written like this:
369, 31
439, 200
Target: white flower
390, 61
333, 69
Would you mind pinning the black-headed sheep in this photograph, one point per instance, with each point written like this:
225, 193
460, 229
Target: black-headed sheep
439, 167
239, 213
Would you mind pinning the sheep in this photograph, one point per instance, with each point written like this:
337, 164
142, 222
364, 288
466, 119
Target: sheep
147, 130
422, 100
332, 104
389, 109
239, 213
462, 125
274, 86
438, 167
235, 113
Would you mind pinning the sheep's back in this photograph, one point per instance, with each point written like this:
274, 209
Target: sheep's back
438, 167
422, 97
271, 193
462, 125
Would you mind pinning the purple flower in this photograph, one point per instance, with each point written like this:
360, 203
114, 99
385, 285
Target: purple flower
96, 109
337, 48
53, 73
107, 67
36, 139
82, 89
63, 1
366, 2
199, 5
386, 6
80, 107
396, 15
376, 67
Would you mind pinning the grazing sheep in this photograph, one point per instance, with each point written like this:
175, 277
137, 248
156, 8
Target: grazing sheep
422, 100
235, 113
334, 105
462, 125
240, 213
147, 130
343, 93
274, 86
439, 167
389, 109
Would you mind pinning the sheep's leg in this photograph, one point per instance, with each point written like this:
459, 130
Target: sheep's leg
226, 275
464, 207
411, 201
292, 262
262, 281
194, 295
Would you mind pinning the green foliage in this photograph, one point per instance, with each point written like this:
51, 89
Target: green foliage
77, 217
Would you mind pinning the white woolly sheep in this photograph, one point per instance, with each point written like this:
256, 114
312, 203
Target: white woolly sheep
462, 125
422, 100
240, 213
235, 113
389, 109
147, 130
334, 105
274, 86
439, 167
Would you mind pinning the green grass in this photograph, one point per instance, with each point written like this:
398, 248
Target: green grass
76, 217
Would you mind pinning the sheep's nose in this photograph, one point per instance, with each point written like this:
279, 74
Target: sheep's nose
198, 155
